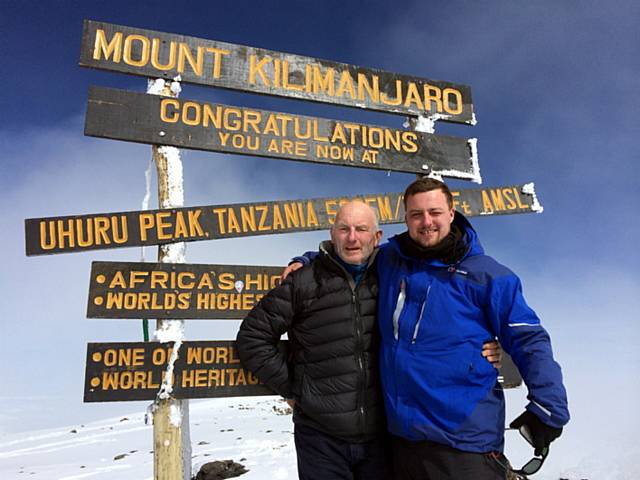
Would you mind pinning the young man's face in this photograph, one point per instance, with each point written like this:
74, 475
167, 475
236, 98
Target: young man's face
428, 217
354, 235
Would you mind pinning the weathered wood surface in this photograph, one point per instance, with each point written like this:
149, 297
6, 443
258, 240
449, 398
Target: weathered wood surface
205, 62
135, 371
76, 233
161, 290
192, 124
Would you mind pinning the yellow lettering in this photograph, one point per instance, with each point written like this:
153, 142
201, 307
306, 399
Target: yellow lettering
248, 219
144, 50
147, 221
51, 242
263, 210
155, 55
217, 59
285, 79
373, 91
432, 94
345, 84
226, 281
102, 48
162, 225
398, 96
257, 68
447, 93
413, 96
196, 64
324, 84
220, 213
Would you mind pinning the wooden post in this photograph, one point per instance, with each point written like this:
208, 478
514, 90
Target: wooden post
171, 442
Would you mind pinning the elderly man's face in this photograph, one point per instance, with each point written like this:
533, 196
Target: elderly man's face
428, 217
354, 234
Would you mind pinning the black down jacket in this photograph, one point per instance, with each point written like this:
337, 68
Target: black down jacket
331, 369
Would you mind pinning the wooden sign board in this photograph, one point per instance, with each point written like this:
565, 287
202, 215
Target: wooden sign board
152, 119
78, 233
135, 371
153, 54
163, 290
203, 369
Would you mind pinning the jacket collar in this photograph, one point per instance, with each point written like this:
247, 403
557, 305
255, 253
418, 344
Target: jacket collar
471, 238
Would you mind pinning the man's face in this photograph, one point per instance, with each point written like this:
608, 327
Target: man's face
428, 217
354, 235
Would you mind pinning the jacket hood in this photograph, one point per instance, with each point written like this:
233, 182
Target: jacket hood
470, 237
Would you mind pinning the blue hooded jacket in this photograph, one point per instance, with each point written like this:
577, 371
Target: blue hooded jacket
433, 320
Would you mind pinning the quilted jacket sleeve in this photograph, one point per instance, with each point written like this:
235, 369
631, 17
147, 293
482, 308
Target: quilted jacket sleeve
523, 337
259, 335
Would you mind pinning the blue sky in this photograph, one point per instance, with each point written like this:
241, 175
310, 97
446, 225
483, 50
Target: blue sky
555, 92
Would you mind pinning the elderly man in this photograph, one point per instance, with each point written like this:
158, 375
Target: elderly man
331, 374
329, 312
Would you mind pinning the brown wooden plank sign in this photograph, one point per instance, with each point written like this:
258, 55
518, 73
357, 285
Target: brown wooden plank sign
152, 119
135, 371
162, 290
204, 62
158, 227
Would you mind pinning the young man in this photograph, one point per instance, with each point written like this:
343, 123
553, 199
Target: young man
440, 298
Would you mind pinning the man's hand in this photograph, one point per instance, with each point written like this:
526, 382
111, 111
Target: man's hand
291, 402
291, 268
493, 353
541, 434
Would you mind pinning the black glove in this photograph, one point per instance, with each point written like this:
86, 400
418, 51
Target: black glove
541, 433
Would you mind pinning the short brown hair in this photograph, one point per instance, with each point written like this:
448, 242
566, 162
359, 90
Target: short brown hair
426, 185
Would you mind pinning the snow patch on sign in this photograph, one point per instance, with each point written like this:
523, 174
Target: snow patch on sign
529, 189
473, 175
176, 88
155, 86
426, 124
473, 146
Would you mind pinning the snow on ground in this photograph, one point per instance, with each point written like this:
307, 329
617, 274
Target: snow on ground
252, 431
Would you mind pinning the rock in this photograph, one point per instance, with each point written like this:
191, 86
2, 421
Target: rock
220, 470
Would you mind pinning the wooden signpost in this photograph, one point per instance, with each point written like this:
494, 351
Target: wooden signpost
171, 290
137, 117
75, 233
218, 64
162, 290
135, 371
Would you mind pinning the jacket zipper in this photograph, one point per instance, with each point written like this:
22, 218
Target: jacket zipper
399, 306
424, 304
362, 384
